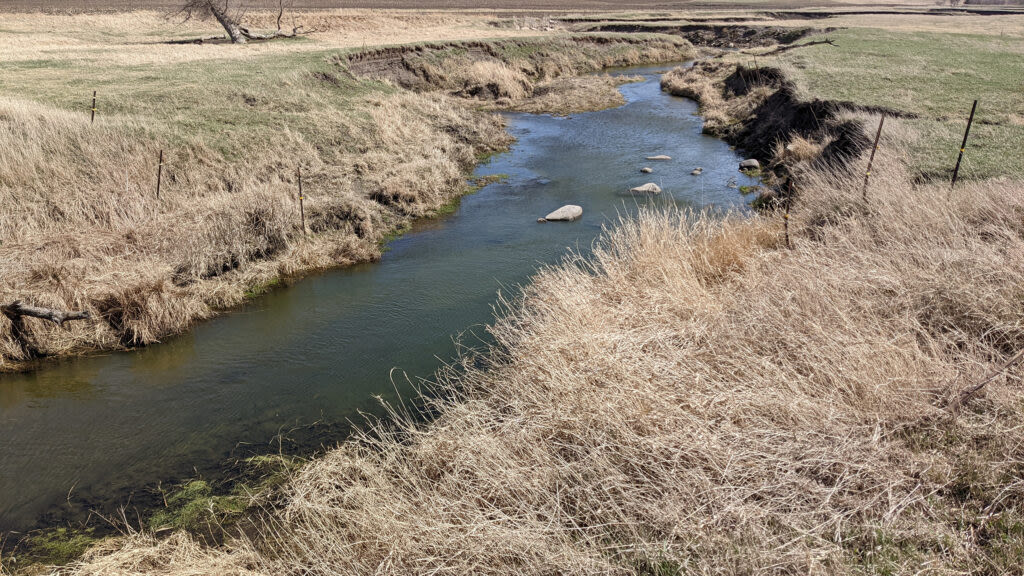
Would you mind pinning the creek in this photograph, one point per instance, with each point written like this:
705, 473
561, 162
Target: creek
288, 370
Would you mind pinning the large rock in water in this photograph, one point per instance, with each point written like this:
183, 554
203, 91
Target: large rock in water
565, 213
649, 188
659, 157
750, 164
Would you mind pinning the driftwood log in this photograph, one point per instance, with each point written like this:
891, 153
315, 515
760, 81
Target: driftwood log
17, 311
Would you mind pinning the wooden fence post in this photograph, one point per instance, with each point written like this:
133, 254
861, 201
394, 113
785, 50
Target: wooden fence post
785, 217
302, 210
159, 173
963, 145
871, 160
92, 118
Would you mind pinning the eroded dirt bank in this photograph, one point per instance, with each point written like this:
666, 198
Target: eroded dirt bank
761, 111
715, 35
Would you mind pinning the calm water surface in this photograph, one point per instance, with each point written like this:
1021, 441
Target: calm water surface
105, 430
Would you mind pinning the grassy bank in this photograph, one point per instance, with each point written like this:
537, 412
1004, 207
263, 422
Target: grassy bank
697, 398
83, 228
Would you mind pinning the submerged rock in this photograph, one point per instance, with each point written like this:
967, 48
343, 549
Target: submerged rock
659, 157
750, 164
697, 171
566, 213
649, 188
647, 170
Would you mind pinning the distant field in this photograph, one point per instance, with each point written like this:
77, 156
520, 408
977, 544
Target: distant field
559, 5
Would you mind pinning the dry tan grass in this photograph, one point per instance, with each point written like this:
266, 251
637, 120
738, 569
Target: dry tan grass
1011, 25
81, 227
88, 37
724, 113
798, 150
572, 95
695, 397
509, 83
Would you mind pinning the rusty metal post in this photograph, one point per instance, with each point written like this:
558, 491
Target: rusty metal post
92, 118
159, 173
963, 145
871, 159
302, 210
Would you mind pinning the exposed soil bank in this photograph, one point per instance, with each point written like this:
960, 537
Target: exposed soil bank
512, 70
714, 35
760, 111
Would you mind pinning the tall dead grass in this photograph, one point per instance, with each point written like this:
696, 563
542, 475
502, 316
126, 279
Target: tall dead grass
81, 226
82, 229
696, 398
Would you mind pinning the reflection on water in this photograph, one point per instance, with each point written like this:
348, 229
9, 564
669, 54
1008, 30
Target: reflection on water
321, 349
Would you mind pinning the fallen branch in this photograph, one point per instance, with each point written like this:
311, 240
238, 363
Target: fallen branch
970, 392
198, 40
296, 31
15, 310
781, 49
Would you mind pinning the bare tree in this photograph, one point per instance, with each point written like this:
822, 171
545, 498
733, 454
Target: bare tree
229, 17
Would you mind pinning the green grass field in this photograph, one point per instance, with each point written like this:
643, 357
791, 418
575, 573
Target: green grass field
935, 76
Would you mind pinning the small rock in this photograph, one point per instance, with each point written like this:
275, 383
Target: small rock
659, 157
697, 171
541, 220
649, 188
646, 170
750, 164
566, 213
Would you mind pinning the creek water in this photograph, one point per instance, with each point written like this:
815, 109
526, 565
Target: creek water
97, 433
